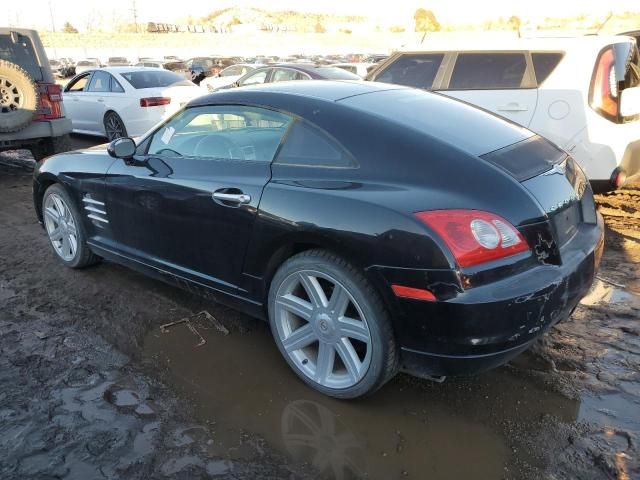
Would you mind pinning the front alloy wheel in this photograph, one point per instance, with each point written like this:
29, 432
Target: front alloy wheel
61, 227
64, 228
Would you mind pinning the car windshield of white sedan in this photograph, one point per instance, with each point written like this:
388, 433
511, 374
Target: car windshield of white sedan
231, 133
154, 79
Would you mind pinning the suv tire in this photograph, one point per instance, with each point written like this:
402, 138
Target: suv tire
18, 97
50, 146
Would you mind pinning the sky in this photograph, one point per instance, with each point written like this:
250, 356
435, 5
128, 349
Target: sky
38, 13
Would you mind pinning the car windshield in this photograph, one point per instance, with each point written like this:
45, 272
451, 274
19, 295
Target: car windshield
336, 73
155, 79
118, 60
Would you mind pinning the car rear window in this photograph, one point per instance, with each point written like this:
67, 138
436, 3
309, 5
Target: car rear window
21, 53
154, 79
544, 64
335, 73
418, 71
457, 123
486, 71
528, 158
307, 145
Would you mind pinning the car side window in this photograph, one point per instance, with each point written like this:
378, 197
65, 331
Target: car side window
544, 64
488, 71
100, 82
222, 133
228, 72
308, 145
418, 71
79, 84
115, 85
256, 79
284, 74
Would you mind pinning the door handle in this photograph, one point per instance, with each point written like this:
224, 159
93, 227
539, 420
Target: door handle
512, 107
236, 198
101, 100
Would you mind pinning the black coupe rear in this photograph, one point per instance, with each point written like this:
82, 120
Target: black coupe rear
377, 228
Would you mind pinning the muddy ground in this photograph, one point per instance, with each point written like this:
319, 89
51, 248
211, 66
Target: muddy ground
91, 387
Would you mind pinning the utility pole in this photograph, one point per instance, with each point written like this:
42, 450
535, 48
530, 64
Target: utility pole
53, 23
134, 9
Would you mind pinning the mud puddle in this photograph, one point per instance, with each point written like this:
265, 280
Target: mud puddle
469, 428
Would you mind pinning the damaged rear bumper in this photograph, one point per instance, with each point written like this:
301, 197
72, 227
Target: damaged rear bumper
486, 326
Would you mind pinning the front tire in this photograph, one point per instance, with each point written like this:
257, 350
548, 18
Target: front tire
65, 230
331, 326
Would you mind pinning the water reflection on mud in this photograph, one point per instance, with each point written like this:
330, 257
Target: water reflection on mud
408, 429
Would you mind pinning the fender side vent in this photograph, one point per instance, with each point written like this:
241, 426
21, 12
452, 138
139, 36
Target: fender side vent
95, 210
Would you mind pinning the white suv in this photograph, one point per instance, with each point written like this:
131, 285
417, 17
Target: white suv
581, 93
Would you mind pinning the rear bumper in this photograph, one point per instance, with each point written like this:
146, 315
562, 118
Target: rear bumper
485, 326
36, 131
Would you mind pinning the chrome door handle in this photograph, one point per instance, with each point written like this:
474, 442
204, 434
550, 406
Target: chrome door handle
240, 198
101, 100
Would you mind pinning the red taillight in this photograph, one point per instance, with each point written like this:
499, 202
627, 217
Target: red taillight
50, 97
604, 90
154, 101
473, 236
413, 293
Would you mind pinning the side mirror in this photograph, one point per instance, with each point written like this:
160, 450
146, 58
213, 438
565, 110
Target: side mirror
630, 102
124, 148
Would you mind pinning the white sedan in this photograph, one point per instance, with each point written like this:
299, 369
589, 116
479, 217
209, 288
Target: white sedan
228, 76
124, 101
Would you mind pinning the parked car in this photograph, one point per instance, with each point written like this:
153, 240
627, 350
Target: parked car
173, 66
85, 65
202, 67
62, 68
118, 62
228, 76
375, 58
32, 115
375, 227
292, 71
362, 69
580, 93
634, 34
119, 101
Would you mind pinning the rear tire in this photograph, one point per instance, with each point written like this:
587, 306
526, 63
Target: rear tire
114, 126
331, 326
64, 227
18, 98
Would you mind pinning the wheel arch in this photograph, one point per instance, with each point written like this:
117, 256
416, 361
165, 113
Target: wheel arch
40, 186
300, 242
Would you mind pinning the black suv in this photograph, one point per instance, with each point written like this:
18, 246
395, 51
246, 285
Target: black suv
31, 111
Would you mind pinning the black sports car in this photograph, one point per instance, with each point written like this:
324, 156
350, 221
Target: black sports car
375, 227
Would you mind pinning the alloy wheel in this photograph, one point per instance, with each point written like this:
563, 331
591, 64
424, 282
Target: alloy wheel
323, 329
113, 127
61, 227
11, 97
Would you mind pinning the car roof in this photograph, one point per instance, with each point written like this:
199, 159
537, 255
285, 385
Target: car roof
507, 42
328, 90
129, 68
